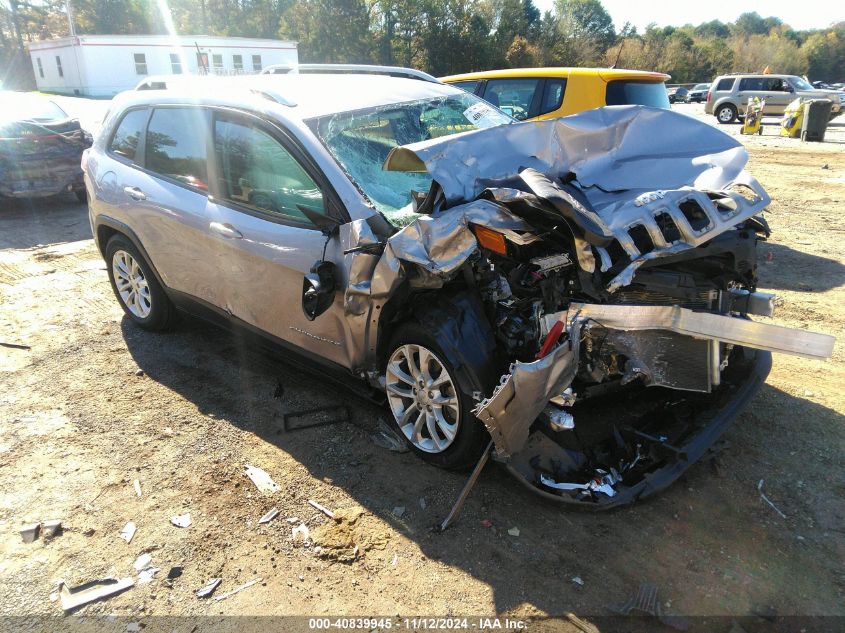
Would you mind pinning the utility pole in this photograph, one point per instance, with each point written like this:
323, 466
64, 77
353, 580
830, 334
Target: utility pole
71, 30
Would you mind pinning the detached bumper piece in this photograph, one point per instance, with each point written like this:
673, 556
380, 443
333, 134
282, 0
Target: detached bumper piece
653, 436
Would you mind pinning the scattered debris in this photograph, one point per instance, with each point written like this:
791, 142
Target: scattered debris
767, 500
385, 437
128, 532
51, 529
468, 486
514, 531
246, 585
395, 560
182, 521
292, 520
301, 529
321, 416
581, 625
147, 574
14, 345
825, 166
423, 503
91, 591
322, 509
139, 373
261, 479
645, 603
398, 511
487, 523
174, 572
133, 627
272, 514
137, 486
142, 562
208, 589
30, 532
578, 581
602, 482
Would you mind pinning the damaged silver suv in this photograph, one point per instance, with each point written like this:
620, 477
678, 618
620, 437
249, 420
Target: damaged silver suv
576, 290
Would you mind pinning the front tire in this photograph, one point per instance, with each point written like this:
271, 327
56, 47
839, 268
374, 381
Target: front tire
726, 114
136, 287
430, 410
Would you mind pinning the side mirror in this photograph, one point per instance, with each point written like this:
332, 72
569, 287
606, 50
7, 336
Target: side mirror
789, 88
326, 223
318, 288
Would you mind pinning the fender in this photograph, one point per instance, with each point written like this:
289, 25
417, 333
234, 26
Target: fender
458, 323
104, 222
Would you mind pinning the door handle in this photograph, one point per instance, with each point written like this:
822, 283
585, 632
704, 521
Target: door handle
226, 230
135, 193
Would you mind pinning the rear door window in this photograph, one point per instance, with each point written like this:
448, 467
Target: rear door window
176, 147
513, 96
124, 143
256, 171
726, 84
753, 83
629, 92
552, 95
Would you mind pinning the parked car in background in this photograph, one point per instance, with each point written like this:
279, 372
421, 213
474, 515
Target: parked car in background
40, 148
678, 94
406, 236
548, 93
729, 94
698, 93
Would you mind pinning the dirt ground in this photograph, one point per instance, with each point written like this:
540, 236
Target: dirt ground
95, 404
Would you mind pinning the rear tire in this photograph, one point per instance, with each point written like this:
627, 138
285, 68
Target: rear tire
136, 287
726, 114
414, 390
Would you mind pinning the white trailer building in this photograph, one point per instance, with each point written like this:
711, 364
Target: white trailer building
103, 65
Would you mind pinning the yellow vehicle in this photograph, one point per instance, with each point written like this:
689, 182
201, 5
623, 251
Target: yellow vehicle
548, 93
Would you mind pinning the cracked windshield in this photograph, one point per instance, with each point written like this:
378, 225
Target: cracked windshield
360, 141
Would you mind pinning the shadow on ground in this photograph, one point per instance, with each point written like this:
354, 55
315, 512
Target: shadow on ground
53, 220
798, 271
709, 542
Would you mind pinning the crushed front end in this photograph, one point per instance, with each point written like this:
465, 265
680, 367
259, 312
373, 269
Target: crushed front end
619, 276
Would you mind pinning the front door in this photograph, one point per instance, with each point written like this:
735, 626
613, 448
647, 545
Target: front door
267, 242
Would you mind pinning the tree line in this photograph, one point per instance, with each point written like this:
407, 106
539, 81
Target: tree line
448, 36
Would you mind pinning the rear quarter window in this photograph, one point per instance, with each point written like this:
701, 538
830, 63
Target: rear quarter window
632, 92
726, 84
124, 142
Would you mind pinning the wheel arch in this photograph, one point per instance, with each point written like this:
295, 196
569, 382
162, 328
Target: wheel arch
106, 227
456, 319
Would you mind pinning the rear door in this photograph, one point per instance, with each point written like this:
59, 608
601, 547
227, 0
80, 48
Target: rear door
167, 201
262, 181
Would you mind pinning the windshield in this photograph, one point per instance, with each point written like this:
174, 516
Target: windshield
647, 93
702, 87
18, 107
800, 84
360, 141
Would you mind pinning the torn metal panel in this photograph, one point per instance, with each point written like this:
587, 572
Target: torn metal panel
524, 393
703, 325
613, 148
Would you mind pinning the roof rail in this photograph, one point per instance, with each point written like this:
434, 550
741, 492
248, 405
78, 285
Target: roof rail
362, 69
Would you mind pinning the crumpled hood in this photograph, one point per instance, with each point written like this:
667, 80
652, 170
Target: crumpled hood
612, 148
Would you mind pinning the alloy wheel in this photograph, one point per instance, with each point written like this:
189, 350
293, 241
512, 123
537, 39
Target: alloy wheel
422, 397
131, 284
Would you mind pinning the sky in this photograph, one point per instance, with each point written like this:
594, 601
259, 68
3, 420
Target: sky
806, 14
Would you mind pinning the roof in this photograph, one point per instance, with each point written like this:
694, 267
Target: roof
607, 74
178, 41
293, 96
